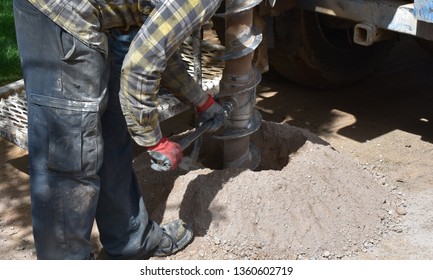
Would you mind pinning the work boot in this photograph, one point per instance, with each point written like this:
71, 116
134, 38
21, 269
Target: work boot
175, 236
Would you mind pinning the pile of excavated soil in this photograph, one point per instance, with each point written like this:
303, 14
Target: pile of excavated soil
305, 201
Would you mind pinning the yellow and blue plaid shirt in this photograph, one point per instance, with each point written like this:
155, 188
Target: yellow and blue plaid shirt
168, 24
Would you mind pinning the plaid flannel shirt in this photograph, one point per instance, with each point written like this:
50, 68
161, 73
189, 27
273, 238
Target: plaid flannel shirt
152, 52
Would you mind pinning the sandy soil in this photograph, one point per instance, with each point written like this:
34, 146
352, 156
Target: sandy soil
344, 175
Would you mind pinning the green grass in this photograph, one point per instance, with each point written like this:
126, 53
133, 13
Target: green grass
10, 68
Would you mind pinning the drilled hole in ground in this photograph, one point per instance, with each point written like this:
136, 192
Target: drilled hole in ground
274, 143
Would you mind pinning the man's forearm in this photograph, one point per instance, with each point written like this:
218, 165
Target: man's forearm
167, 26
178, 81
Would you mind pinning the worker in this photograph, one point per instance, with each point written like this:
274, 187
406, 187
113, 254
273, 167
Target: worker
90, 93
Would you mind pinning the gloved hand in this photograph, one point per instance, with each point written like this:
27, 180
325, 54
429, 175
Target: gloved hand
211, 110
166, 155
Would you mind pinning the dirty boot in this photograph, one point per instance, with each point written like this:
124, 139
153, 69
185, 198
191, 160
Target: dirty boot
175, 236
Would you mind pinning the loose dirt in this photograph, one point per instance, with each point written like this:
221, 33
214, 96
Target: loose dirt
344, 175
308, 202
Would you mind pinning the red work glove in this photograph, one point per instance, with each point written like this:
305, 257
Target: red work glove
166, 155
211, 110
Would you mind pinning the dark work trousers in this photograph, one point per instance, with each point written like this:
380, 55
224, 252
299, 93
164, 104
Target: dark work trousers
80, 152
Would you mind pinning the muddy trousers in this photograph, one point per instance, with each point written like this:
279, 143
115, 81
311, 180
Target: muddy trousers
80, 157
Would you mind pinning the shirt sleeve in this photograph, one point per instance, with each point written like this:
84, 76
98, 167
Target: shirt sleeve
178, 81
167, 26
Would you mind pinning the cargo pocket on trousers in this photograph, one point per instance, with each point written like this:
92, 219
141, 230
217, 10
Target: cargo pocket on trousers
73, 144
64, 150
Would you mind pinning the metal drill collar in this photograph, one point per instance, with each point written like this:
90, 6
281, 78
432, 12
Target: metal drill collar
231, 85
238, 6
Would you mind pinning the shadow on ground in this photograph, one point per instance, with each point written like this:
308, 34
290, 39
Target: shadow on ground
397, 96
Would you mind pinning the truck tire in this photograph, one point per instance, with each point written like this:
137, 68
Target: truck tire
318, 51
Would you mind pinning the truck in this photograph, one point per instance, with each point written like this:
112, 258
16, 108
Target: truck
327, 44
